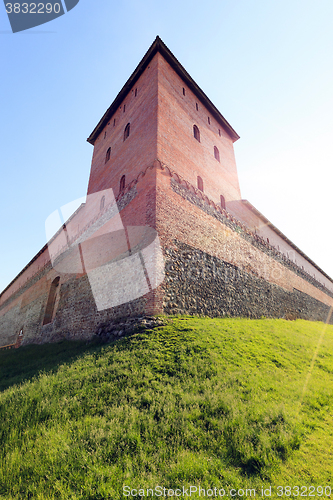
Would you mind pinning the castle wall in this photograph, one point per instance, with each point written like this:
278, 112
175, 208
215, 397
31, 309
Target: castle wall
265, 230
76, 315
24, 308
10, 324
198, 283
214, 264
194, 234
26, 274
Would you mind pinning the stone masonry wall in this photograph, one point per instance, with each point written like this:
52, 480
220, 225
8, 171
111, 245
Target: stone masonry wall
242, 230
198, 283
262, 282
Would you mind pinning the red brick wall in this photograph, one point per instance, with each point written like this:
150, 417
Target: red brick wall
27, 274
177, 146
131, 156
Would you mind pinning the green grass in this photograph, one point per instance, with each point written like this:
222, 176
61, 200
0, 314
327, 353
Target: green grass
226, 403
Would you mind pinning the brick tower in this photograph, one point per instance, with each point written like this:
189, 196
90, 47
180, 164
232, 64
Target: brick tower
160, 134
161, 126
164, 229
169, 118
165, 137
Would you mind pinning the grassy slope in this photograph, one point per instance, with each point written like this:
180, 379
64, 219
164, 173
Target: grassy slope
205, 402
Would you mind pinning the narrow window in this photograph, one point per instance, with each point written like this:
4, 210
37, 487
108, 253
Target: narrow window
127, 131
208, 120
102, 203
196, 133
51, 301
183, 91
136, 92
222, 200
19, 338
104, 134
216, 153
197, 107
107, 156
122, 184
200, 183
114, 122
124, 108
219, 132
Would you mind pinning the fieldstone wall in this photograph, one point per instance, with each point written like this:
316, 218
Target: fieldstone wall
232, 223
198, 283
10, 326
77, 317
109, 332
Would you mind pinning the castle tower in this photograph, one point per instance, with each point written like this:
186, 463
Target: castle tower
163, 230
162, 125
179, 153
168, 118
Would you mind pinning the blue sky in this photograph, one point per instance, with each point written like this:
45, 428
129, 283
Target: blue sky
267, 66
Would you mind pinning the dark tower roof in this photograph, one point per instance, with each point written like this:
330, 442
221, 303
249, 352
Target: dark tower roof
159, 46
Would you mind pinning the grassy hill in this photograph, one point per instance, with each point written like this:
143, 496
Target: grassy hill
224, 403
